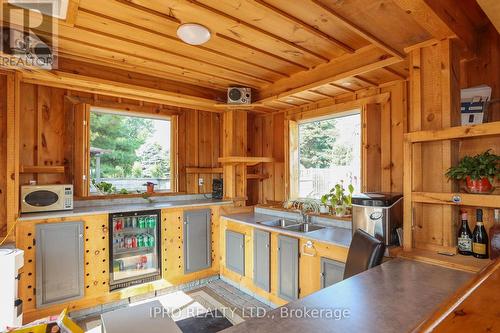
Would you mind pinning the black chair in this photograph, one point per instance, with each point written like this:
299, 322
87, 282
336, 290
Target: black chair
365, 252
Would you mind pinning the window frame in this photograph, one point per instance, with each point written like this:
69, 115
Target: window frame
82, 147
293, 150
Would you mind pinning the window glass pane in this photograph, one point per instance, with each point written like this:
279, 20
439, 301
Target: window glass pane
329, 153
126, 152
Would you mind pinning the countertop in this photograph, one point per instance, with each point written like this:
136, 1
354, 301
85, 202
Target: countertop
333, 235
394, 297
472, 309
120, 208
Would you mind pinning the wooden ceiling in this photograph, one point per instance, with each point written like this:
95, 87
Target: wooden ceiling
290, 52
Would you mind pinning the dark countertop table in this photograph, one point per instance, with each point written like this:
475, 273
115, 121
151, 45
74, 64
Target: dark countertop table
394, 297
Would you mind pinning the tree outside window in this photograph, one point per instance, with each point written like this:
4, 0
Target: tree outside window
128, 151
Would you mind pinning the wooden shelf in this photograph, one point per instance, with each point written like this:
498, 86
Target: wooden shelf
257, 176
203, 170
460, 262
458, 132
245, 160
41, 169
457, 199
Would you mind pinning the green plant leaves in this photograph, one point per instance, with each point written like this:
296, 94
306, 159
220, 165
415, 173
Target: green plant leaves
485, 165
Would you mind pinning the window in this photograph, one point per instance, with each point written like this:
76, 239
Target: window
329, 153
127, 151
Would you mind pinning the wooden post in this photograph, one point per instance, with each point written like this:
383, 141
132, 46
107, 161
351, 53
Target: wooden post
12, 140
435, 104
234, 143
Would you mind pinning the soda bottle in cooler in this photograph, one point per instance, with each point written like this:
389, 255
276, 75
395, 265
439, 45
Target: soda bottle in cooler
151, 241
140, 222
134, 241
134, 222
140, 241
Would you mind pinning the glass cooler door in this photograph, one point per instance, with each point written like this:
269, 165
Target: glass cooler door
135, 250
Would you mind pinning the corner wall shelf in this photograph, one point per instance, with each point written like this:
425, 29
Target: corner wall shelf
249, 161
41, 169
457, 132
412, 156
457, 199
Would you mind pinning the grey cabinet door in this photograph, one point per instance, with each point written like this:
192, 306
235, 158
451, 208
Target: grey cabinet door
59, 262
288, 268
235, 252
332, 271
261, 259
197, 240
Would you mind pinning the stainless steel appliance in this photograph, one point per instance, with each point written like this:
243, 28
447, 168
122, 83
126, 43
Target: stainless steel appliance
135, 255
45, 198
379, 214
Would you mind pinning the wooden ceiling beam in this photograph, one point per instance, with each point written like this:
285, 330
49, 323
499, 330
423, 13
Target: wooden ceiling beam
319, 93
394, 72
306, 26
445, 18
338, 86
257, 29
63, 80
368, 82
363, 33
364, 60
89, 67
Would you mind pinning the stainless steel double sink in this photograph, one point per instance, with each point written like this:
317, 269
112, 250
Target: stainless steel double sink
292, 225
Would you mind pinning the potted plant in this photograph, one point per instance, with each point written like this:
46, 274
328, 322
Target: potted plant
324, 208
479, 172
340, 199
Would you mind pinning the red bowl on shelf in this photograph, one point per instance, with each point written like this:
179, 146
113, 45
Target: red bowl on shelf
478, 186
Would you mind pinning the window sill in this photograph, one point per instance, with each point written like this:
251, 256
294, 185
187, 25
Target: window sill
278, 207
132, 195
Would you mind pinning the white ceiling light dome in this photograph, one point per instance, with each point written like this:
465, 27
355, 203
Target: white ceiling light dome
193, 33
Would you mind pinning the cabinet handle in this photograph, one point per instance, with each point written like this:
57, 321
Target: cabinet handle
105, 230
308, 245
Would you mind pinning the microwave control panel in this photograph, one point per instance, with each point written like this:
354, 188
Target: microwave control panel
68, 198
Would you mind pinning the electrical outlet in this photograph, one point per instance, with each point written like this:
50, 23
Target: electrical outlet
201, 181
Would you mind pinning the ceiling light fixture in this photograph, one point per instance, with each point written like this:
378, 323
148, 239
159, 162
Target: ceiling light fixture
193, 33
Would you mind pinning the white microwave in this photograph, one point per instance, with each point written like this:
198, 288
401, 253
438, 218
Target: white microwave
45, 198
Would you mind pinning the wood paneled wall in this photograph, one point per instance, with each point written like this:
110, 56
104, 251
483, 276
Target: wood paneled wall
47, 134
266, 137
3, 155
199, 145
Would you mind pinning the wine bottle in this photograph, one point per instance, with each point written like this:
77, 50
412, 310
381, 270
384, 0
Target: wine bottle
495, 236
479, 238
464, 237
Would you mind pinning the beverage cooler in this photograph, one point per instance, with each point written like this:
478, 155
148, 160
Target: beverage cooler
135, 254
